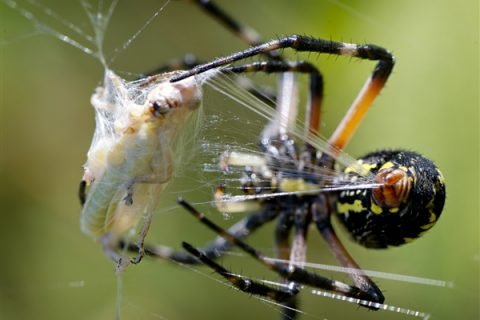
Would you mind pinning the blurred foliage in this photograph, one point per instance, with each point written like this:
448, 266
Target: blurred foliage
51, 271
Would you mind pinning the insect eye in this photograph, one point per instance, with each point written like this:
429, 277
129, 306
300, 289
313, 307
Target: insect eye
159, 109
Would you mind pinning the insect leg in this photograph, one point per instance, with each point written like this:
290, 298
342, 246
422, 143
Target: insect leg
147, 218
82, 192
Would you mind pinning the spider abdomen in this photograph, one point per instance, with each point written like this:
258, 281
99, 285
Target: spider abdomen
408, 203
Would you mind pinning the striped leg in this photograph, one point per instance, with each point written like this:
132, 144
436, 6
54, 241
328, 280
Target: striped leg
292, 273
244, 32
240, 282
217, 248
364, 99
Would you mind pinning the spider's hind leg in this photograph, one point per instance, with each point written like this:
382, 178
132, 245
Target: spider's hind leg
321, 217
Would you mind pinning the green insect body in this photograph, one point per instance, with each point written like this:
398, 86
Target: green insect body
130, 160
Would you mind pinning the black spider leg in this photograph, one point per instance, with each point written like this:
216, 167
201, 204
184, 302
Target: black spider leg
280, 66
322, 216
238, 281
243, 284
315, 96
290, 272
241, 31
283, 228
188, 61
365, 97
300, 219
321, 210
264, 93
295, 253
308, 44
216, 248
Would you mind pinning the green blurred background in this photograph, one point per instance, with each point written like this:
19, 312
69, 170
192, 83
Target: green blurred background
50, 270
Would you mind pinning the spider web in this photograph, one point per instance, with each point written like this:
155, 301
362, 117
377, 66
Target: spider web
199, 192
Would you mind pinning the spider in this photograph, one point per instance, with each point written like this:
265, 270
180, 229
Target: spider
407, 200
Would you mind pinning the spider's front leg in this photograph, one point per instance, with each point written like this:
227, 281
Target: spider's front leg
365, 97
290, 272
241, 283
216, 248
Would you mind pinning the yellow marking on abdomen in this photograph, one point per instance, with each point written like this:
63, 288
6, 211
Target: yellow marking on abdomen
356, 206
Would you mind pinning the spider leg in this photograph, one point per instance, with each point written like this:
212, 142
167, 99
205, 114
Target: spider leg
308, 44
217, 248
242, 283
321, 217
282, 233
313, 106
189, 61
242, 31
296, 253
283, 228
289, 272
364, 99
362, 103
315, 82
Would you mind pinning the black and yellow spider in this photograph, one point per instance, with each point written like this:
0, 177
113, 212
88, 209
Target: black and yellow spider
406, 202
